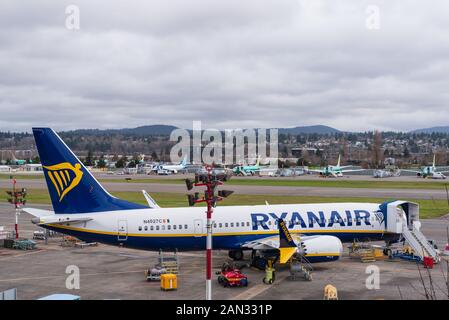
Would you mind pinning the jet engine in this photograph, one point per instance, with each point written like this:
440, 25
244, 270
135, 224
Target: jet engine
321, 248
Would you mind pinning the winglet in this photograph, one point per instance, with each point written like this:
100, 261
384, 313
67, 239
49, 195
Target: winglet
151, 203
258, 161
287, 247
339, 161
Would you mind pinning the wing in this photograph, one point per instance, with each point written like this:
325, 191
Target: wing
413, 171
272, 242
353, 170
316, 170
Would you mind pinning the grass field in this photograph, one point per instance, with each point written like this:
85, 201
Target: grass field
7, 176
428, 208
326, 183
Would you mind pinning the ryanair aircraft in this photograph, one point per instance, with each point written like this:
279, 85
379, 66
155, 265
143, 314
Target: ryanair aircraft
84, 209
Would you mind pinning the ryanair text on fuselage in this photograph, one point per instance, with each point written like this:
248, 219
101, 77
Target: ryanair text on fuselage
312, 220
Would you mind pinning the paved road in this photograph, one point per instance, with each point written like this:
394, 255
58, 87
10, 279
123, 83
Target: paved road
257, 190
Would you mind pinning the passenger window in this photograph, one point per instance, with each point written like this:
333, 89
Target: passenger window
151, 228
146, 228
215, 225
169, 227
180, 226
237, 224
269, 222
247, 224
186, 226
157, 228
226, 225
232, 224
140, 228
220, 225
174, 227
163, 227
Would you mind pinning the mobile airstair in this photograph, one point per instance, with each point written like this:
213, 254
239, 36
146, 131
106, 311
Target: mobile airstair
419, 243
402, 217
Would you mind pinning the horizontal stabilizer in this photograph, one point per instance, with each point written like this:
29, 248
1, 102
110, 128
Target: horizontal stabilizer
38, 212
287, 247
285, 254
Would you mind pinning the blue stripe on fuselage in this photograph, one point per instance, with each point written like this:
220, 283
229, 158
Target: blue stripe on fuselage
191, 243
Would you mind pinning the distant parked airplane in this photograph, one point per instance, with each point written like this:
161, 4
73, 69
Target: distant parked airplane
171, 168
432, 172
334, 171
247, 170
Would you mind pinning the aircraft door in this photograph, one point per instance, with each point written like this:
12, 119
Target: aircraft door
122, 231
198, 227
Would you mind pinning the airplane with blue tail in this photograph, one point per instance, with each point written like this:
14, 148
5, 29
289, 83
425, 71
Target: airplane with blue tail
83, 208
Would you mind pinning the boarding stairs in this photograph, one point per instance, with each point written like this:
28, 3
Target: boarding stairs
169, 262
419, 243
367, 255
301, 268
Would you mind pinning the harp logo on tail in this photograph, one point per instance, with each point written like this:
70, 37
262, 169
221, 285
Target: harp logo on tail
64, 177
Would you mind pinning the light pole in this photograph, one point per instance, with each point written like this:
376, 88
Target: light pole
210, 181
17, 198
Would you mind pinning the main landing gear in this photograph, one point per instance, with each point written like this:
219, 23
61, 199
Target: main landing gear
236, 255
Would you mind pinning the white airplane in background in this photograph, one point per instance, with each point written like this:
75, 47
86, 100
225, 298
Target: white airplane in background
171, 168
84, 209
335, 171
432, 172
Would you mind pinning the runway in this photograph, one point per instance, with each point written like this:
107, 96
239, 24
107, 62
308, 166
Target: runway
424, 194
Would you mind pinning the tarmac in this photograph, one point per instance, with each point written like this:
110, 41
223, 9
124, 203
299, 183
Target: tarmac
109, 272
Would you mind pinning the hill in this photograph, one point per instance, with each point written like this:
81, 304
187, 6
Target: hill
442, 129
320, 129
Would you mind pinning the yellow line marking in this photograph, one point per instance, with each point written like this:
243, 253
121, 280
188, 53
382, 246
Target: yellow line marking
258, 289
59, 276
21, 255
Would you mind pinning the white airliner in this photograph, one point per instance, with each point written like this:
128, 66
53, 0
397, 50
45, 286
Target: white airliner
335, 171
84, 209
171, 168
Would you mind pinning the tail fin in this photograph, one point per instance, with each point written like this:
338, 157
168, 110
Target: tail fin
434, 158
72, 187
184, 161
339, 161
287, 247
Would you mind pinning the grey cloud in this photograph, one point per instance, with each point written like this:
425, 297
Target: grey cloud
228, 63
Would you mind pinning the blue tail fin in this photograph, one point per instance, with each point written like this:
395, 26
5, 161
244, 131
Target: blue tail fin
72, 187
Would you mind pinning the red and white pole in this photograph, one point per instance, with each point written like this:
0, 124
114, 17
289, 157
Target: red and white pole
209, 199
16, 205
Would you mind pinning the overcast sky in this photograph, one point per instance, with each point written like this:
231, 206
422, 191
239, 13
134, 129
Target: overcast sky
252, 63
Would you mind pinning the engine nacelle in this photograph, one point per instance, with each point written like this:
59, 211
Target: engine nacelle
321, 248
